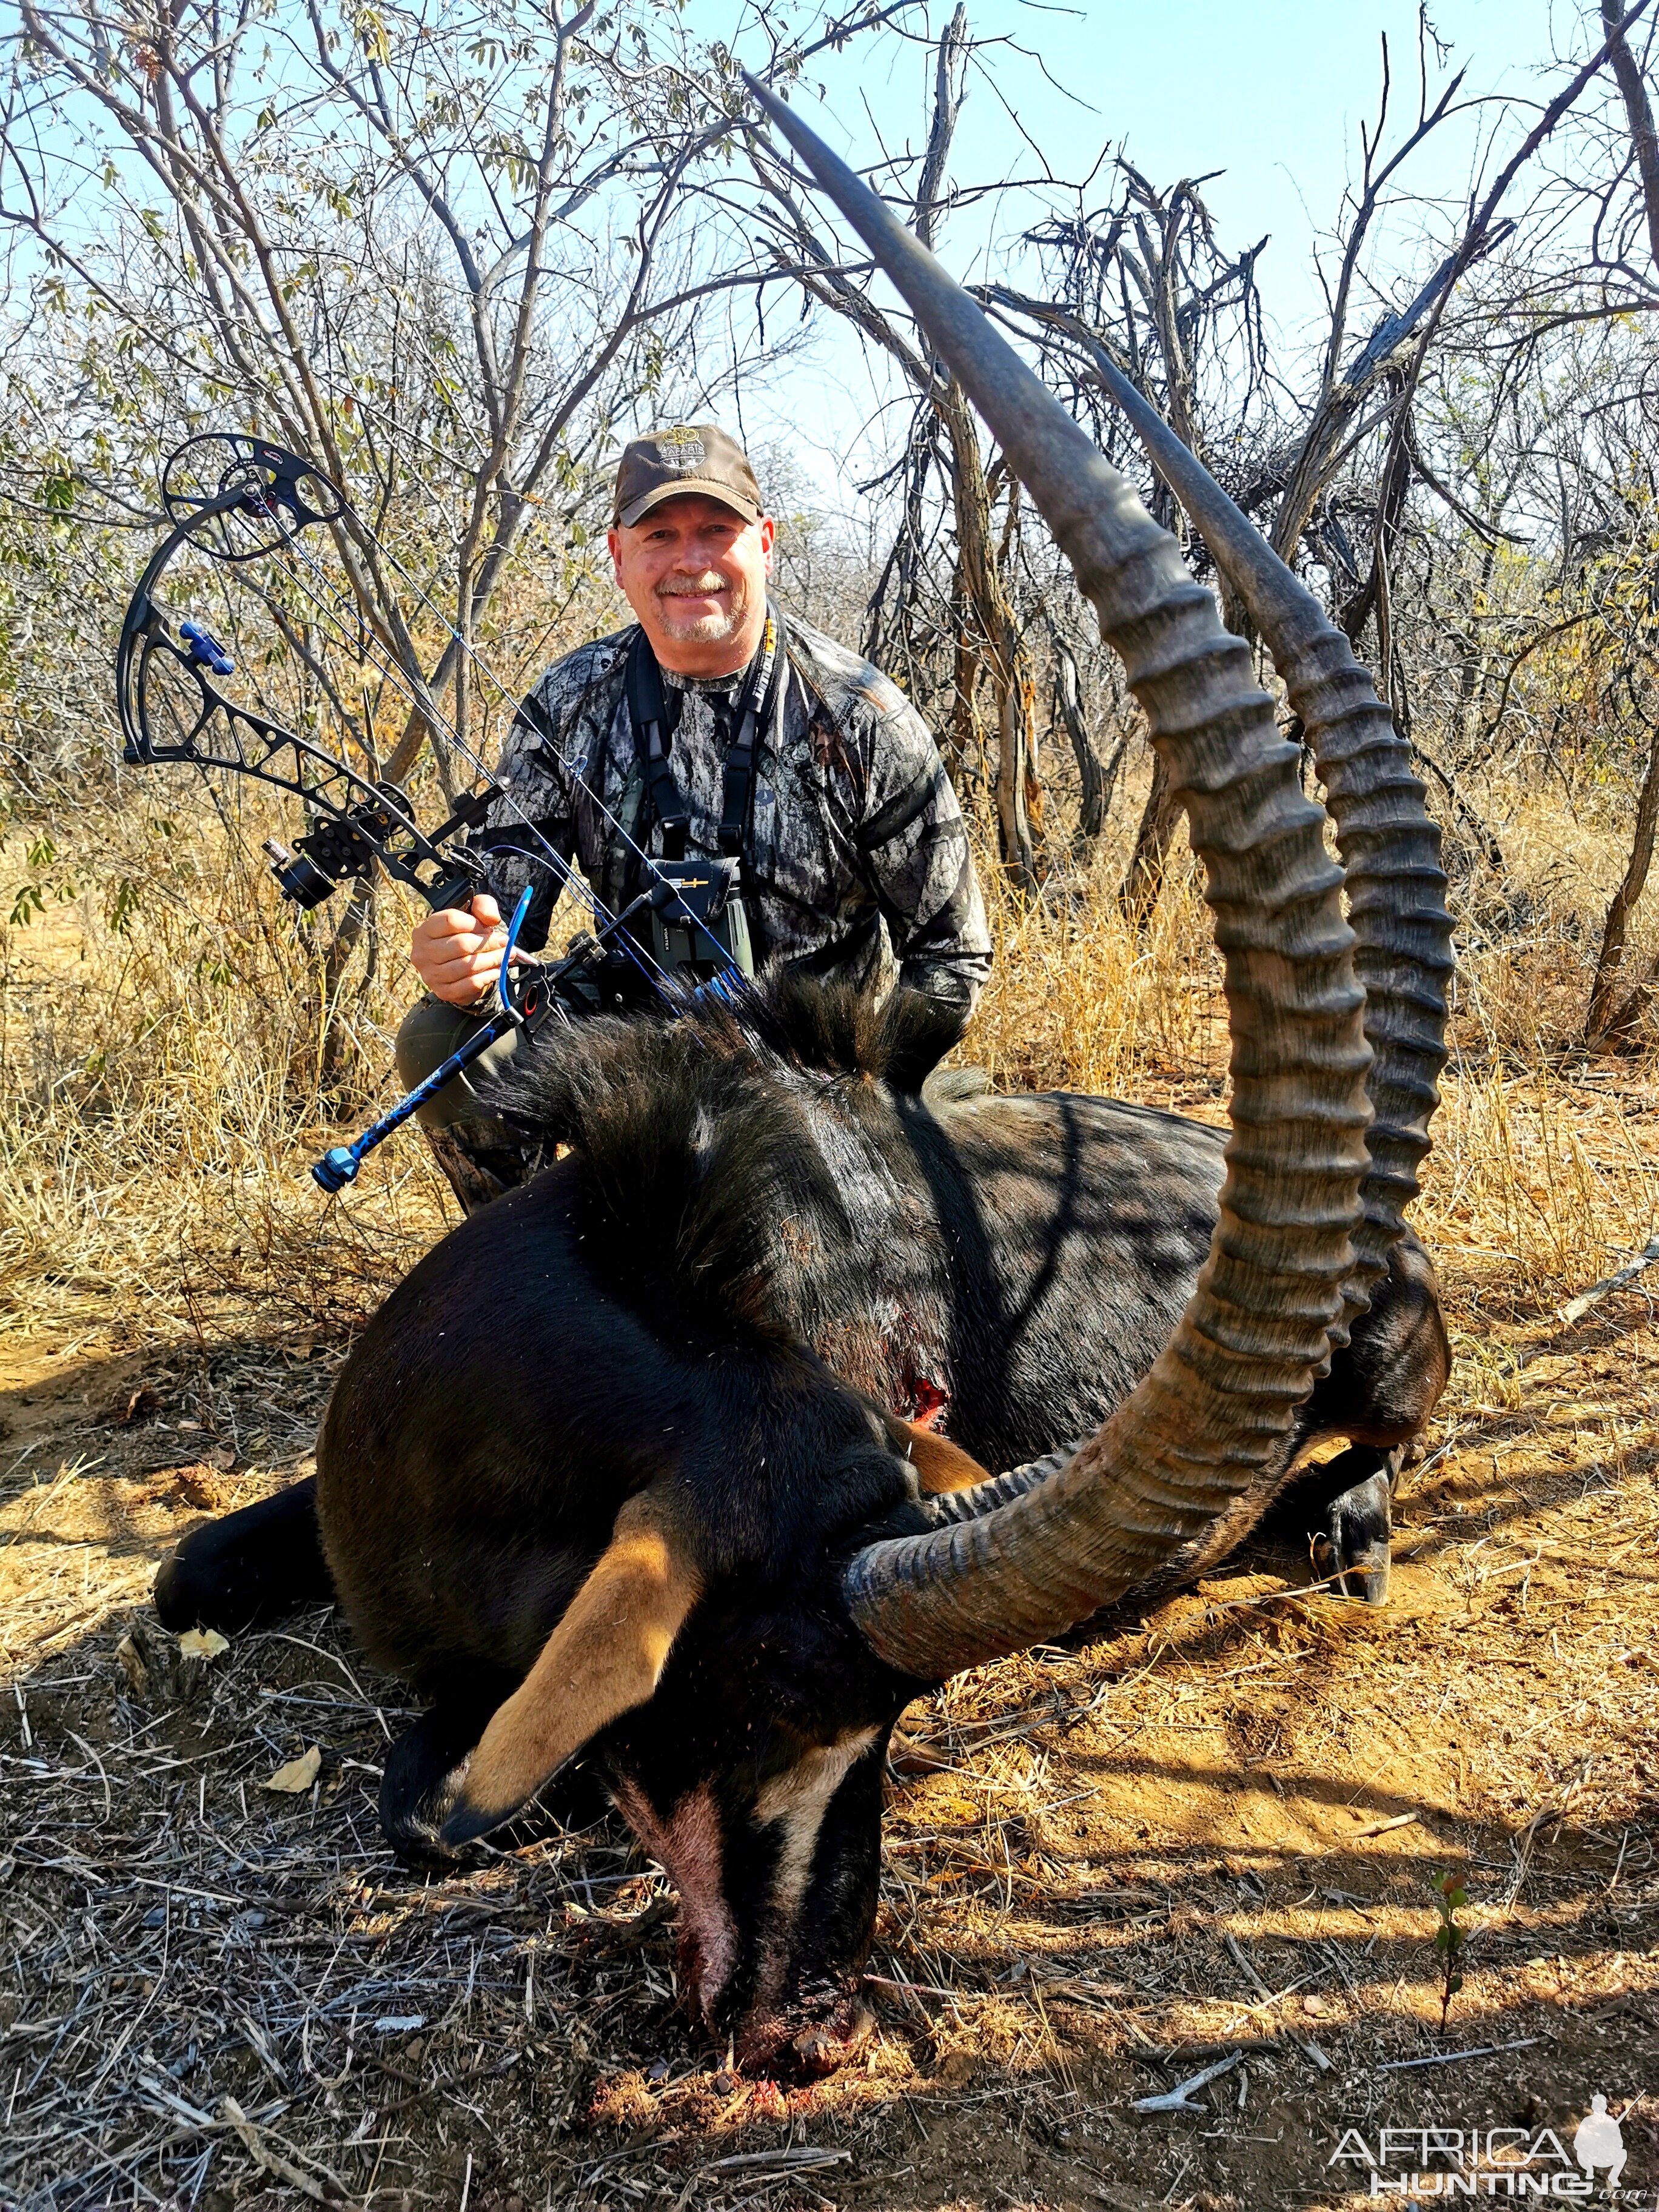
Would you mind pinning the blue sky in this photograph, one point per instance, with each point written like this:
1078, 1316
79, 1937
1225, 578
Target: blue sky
1271, 92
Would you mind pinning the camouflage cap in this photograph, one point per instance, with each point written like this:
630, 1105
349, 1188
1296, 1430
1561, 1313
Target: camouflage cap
689, 458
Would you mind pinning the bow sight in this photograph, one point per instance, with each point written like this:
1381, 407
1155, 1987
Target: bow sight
236, 499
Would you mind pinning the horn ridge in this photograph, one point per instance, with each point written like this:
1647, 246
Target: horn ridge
1389, 845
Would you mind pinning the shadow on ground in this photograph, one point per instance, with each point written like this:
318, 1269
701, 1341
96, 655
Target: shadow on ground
1214, 1834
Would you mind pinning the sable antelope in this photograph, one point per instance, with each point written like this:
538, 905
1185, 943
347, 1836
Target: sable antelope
611, 1471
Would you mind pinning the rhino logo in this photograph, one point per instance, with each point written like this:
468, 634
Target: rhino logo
1599, 2143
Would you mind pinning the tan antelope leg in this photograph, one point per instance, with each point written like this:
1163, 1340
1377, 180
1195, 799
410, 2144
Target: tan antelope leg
605, 1657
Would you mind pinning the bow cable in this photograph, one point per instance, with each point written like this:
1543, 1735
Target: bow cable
565, 876
262, 481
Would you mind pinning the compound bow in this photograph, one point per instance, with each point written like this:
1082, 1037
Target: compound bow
236, 499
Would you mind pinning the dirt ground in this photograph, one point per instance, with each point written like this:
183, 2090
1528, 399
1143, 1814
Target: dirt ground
1212, 1838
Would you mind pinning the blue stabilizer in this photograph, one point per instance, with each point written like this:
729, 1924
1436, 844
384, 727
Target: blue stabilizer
339, 1166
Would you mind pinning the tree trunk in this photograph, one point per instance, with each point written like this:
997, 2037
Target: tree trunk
1010, 670
339, 1056
1144, 877
1018, 793
1609, 1021
969, 652
1639, 110
1024, 698
1094, 775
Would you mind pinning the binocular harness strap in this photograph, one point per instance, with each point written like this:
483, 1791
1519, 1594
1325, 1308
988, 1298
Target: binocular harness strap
648, 708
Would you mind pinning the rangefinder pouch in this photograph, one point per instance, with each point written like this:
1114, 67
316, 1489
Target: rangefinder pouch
698, 925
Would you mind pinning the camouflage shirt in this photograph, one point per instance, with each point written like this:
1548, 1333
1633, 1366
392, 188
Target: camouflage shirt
855, 851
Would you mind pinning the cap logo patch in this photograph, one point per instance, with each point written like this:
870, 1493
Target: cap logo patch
682, 448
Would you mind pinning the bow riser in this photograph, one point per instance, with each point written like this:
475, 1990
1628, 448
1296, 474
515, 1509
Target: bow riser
355, 821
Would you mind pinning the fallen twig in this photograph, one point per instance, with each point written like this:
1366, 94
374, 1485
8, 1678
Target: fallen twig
1242, 2046
1305, 2045
803, 2157
274, 2164
1576, 1308
1180, 2098
1384, 1827
1451, 2057
444, 2084
923, 1989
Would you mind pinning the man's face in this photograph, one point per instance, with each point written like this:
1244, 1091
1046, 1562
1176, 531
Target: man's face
694, 573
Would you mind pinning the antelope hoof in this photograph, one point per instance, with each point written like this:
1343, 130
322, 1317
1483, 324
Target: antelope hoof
247, 1568
1354, 1545
425, 1769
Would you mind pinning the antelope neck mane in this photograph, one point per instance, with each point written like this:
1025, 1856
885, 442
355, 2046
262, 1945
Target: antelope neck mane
721, 1156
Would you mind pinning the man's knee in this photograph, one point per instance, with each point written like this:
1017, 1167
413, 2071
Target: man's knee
427, 1034
480, 1153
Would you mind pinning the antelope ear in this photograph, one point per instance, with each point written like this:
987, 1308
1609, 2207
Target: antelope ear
605, 1657
940, 1464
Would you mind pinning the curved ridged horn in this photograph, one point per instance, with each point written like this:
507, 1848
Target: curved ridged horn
1390, 852
1390, 849
1214, 1411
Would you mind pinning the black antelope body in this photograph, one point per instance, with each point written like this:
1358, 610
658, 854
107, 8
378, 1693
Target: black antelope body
619, 1469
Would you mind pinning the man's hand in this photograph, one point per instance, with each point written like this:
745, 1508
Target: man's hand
458, 956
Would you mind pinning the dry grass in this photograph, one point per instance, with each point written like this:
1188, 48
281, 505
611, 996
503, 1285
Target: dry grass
1080, 1000
162, 1091
162, 1086
1219, 1826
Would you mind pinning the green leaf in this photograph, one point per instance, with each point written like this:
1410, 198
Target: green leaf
121, 907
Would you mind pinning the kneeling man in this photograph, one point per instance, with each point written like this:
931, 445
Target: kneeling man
776, 747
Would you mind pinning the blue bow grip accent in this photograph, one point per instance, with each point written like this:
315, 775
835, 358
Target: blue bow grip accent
205, 650
514, 927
